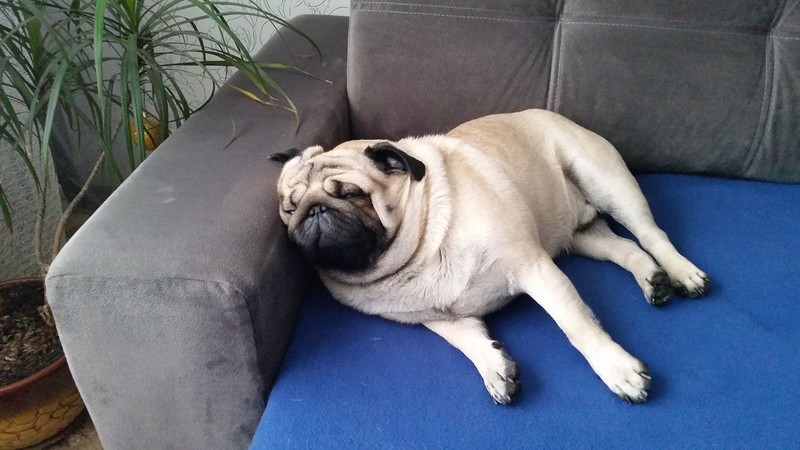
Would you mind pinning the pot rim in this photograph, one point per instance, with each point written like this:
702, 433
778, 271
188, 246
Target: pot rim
34, 377
47, 370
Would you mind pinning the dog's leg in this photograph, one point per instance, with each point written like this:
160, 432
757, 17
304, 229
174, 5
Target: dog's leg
599, 242
626, 376
598, 170
498, 370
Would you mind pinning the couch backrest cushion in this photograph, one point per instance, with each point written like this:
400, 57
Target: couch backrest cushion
700, 86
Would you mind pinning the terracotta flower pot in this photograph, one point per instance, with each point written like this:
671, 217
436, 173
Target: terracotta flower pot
39, 406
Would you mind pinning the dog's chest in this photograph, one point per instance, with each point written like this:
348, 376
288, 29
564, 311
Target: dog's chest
472, 285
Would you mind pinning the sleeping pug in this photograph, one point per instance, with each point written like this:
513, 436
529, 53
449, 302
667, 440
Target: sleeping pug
444, 229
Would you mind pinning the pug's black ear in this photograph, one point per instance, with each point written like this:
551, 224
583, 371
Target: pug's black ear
391, 159
284, 156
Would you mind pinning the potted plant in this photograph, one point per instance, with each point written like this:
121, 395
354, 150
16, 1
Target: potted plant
107, 68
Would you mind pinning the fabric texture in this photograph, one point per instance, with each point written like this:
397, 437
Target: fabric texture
724, 367
175, 301
692, 87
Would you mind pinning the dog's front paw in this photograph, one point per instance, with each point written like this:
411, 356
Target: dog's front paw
626, 376
503, 386
501, 377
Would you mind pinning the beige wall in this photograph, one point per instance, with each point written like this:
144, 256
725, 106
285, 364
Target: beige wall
255, 32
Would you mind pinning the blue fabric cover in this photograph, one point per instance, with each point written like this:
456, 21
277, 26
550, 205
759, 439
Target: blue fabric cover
725, 368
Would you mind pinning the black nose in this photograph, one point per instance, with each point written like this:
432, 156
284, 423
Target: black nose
332, 239
317, 210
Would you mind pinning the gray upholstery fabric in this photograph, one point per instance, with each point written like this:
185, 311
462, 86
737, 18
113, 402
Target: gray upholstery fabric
701, 87
424, 67
175, 301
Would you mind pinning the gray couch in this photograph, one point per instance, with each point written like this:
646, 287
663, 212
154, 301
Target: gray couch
175, 302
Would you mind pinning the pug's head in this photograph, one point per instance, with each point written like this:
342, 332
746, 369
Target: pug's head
343, 207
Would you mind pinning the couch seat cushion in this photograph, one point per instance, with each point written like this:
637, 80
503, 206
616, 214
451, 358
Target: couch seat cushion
725, 368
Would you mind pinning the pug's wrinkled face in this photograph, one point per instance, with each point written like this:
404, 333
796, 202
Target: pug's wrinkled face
343, 207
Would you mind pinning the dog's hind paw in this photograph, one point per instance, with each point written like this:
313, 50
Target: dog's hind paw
658, 289
687, 279
692, 284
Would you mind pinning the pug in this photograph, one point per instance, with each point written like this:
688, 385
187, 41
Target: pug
444, 229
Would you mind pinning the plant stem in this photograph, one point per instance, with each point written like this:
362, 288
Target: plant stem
68, 212
37, 235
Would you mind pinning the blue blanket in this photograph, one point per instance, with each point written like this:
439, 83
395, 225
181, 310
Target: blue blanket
726, 368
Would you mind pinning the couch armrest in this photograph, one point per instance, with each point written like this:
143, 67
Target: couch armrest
175, 301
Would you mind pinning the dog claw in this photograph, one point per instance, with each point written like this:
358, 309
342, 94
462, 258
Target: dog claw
633, 400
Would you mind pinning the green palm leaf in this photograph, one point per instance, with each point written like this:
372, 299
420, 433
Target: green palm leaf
104, 64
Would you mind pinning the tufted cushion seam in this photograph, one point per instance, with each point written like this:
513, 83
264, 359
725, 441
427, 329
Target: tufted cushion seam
658, 27
555, 68
462, 8
677, 23
766, 108
454, 16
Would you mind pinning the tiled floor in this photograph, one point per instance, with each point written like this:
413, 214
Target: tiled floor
81, 437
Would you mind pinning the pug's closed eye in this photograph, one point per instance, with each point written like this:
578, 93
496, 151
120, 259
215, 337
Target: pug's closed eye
346, 190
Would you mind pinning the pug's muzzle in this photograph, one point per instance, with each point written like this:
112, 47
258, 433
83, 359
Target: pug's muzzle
333, 239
